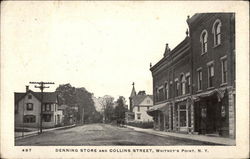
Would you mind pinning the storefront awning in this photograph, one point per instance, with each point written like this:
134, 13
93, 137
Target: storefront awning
161, 107
219, 92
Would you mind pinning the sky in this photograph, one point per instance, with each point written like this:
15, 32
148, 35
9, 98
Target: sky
102, 46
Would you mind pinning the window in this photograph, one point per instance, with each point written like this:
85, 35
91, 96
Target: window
199, 84
148, 101
203, 40
138, 108
170, 90
147, 107
183, 115
176, 87
217, 32
29, 106
183, 85
47, 117
138, 116
188, 85
156, 94
161, 94
166, 91
224, 70
29, 119
210, 75
47, 107
29, 96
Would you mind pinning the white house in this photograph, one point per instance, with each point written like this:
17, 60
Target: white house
139, 104
28, 109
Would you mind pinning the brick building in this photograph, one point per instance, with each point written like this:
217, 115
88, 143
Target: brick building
194, 84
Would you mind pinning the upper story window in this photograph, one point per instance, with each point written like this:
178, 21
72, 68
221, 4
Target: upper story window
156, 94
161, 94
166, 91
176, 87
183, 85
224, 70
138, 108
29, 96
47, 107
210, 75
203, 40
170, 90
29, 106
188, 84
199, 79
217, 32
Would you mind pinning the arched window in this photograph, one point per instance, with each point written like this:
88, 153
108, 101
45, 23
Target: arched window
203, 40
217, 32
183, 86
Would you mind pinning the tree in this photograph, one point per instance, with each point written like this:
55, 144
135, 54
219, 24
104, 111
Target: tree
80, 98
107, 103
120, 110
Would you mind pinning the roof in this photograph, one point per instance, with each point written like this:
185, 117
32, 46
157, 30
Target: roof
139, 98
48, 97
133, 92
179, 48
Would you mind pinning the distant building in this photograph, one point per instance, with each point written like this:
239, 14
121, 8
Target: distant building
194, 84
69, 114
139, 104
28, 109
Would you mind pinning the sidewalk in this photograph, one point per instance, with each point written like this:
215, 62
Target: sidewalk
203, 138
20, 135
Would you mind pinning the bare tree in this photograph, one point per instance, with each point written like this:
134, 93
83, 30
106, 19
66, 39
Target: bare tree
107, 103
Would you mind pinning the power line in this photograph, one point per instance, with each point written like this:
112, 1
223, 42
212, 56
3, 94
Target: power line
41, 86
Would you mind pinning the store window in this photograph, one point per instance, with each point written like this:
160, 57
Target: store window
210, 76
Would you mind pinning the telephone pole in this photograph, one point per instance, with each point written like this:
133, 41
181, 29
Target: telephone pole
41, 86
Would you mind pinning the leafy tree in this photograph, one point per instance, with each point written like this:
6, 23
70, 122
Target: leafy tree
78, 97
120, 110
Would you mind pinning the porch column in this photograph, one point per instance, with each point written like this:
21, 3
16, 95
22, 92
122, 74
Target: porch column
164, 122
159, 120
231, 109
178, 113
169, 117
192, 116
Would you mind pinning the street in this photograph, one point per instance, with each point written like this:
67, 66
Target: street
102, 135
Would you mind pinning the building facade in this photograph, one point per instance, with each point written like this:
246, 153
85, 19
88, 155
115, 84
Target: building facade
28, 109
194, 84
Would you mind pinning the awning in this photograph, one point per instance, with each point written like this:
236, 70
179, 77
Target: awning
219, 92
161, 107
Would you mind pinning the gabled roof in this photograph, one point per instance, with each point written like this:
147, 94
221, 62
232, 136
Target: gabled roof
139, 98
48, 97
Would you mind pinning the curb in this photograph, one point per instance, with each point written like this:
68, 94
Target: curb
232, 143
44, 130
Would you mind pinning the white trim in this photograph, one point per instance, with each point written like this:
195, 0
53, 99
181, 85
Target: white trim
223, 57
201, 40
187, 74
213, 31
210, 63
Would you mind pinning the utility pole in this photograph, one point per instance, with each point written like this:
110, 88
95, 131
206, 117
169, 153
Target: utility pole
41, 87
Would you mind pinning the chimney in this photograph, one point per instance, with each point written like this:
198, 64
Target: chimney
27, 88
167, 50
142, 93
